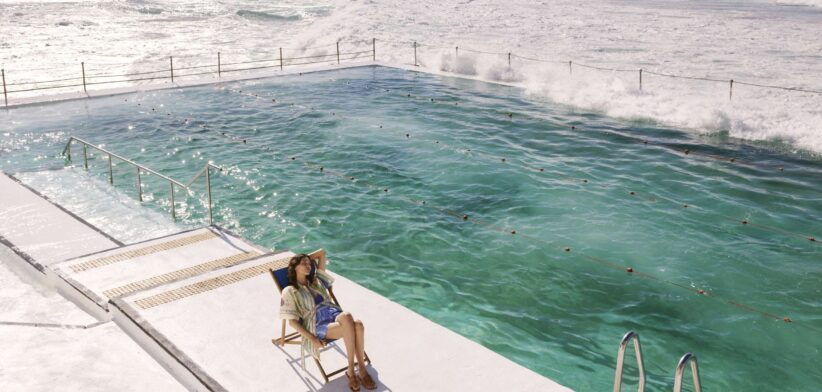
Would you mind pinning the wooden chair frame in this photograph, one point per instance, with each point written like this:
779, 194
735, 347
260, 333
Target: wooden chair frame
295, 338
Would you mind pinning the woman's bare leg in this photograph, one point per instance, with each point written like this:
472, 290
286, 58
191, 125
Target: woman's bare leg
359, 329
344, 328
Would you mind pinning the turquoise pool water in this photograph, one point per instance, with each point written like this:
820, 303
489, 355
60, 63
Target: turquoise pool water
443, 140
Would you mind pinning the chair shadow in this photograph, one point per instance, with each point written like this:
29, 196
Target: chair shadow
338, 382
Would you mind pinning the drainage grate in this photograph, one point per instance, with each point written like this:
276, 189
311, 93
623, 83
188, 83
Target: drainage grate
210, 284
178, 275
116, 258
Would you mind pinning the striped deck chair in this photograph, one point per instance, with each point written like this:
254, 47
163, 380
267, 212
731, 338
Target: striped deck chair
280, 277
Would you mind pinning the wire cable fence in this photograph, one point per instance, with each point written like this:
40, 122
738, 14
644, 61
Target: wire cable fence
278, 60
639, 71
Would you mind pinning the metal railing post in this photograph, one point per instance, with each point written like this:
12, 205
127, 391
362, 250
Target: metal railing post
456, 51
509, 59
338, 52
208, 186
570, 67
640, 79
731, 91
5, 94
139, 185
680, 370
83, 67
173, 212
68, 150
85, 157
171, 63
219, 71
110, 171
631, 335
281, 59
415, 54
373, 49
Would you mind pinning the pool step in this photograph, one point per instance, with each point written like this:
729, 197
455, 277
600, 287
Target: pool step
128, 269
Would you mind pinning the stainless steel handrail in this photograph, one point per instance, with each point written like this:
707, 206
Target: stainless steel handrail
680, 370
631, 335
207, 170
172, 182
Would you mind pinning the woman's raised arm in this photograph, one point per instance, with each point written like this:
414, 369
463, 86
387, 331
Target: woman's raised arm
319, 255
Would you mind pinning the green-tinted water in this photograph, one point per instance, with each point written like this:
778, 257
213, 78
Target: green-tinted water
559, 313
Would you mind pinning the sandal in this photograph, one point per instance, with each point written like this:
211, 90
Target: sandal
367, 381
353, 382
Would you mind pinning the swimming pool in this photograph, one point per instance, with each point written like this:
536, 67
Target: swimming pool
581, 202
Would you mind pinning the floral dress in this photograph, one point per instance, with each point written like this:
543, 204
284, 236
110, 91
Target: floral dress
300, 303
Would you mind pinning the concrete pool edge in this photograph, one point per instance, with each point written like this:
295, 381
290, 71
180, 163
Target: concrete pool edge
258, 75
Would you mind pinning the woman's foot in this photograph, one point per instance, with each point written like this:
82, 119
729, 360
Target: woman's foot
366, 379
353, 382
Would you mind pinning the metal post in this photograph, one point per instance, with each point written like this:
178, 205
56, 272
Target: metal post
570, 69
219, 71
83, 66
68, 149
281, 59
338, 52
208, 186
110, 171
173, 213
85, 157
415, 53
171, 62
640, 79
731, 91
5, 95
139, 185
456, 51
509, 59
373, 49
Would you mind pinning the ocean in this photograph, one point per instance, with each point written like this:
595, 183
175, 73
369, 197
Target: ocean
771, 42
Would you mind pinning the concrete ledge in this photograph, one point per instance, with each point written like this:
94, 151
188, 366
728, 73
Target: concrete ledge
162, 350
200, 81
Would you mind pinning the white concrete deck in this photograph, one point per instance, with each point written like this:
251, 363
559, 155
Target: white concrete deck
227, 330
203, 304
48, 343
42, 230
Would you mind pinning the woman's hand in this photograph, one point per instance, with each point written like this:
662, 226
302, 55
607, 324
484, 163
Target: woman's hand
317, 342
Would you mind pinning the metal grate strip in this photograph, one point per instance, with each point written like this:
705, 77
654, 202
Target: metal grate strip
116, 258
178, 275
210, 284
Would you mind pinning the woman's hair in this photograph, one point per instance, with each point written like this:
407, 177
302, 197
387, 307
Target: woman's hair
292, 269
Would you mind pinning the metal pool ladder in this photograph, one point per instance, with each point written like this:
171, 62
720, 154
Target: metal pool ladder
142, 169
680, 367
631, 335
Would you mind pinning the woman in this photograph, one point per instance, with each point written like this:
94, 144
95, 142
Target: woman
308, 308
